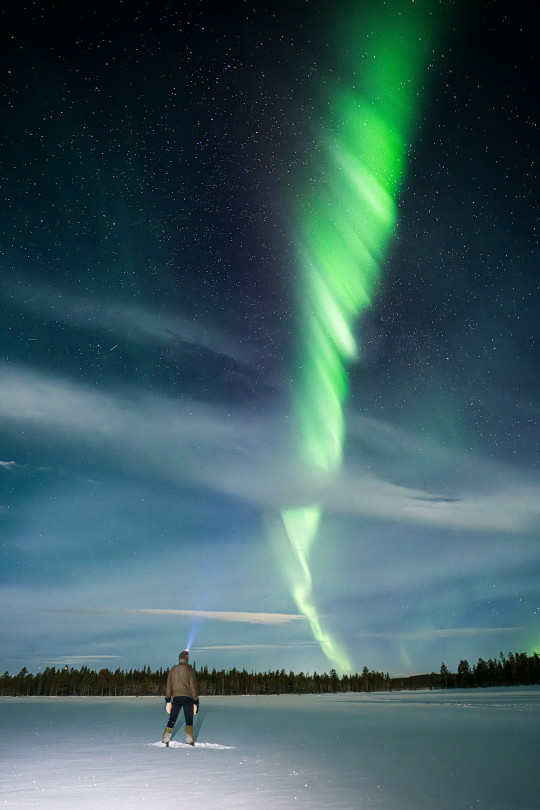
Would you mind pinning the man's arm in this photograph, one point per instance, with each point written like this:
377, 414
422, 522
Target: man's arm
193, 686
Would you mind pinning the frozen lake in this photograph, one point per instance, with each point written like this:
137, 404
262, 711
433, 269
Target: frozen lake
451, 750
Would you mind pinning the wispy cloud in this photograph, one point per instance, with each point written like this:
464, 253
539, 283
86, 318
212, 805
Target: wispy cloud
244, 456
240, 647
75, 659
125, 322
513, 506
454, 632
384, 566
8, 465
243, 617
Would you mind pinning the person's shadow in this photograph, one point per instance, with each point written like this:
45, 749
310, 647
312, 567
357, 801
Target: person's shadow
198, 721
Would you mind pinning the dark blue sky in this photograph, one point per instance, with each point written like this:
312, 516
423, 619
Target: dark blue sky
154, 159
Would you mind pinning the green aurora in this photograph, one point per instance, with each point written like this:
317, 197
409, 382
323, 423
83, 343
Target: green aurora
346, 227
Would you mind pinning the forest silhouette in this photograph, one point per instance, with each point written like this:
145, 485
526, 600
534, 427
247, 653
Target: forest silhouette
514, 669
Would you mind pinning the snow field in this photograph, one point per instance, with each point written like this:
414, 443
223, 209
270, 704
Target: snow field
450, 750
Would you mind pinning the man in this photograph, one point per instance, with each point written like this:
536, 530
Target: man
181, 691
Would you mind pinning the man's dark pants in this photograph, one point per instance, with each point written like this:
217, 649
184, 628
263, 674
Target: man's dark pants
177, 703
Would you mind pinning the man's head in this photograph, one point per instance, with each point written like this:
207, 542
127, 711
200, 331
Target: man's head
184, 656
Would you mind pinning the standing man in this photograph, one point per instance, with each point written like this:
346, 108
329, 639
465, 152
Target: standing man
181, 692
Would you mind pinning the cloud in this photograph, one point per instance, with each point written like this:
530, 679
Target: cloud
511, 507
243, 617
74, 659
248, 457
454, 632
240, 647
418, 567
8, 465
126, 322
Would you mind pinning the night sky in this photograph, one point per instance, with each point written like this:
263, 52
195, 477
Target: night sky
166, 175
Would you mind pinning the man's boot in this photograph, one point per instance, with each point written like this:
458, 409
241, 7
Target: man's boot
189, 735
167, 736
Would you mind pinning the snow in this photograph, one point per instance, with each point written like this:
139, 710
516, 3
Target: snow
445, 750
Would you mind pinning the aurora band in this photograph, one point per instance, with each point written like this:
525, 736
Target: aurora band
345, 227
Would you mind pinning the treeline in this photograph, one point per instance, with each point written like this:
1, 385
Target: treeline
516, 669
87, 682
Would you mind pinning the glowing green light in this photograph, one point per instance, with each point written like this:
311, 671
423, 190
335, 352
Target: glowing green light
344, 234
